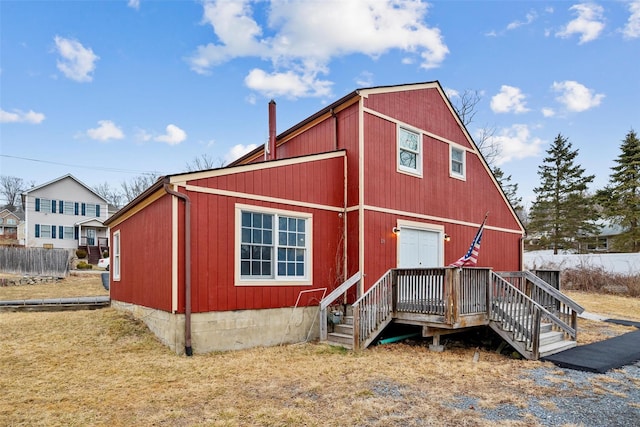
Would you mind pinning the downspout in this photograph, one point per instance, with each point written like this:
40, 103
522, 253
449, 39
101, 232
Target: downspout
187, 267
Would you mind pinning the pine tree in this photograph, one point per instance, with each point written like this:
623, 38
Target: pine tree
562, 213
622, 195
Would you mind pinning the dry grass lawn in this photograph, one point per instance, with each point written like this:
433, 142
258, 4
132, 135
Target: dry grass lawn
102, 367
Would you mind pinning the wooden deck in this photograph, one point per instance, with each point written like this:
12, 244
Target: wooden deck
525, 310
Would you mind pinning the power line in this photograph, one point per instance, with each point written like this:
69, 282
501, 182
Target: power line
102, 168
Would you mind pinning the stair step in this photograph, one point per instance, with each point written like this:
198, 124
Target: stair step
343, 328
545, 327
342, 339
347, 320
547, 338
556, 347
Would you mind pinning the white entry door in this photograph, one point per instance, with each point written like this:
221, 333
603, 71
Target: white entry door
419, 248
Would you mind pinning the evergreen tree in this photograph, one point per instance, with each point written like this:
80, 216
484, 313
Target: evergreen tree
511, 191
621, 198
562, 213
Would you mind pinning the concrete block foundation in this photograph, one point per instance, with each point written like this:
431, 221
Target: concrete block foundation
229, 330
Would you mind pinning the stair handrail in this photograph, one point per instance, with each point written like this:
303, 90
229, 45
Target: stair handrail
382, 315
553, 292
331, 298
543, 311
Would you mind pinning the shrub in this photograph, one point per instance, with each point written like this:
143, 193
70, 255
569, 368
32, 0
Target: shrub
105, 254
81, 253
84, 266
591, 279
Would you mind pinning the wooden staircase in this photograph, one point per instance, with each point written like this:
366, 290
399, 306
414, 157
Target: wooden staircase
535, 318
342, 334
522, 336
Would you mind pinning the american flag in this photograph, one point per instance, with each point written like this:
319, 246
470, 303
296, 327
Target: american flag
471, 257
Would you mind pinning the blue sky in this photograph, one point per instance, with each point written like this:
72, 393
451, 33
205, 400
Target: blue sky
108, 90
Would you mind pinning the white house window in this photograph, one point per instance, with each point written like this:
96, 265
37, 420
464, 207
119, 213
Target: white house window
458, 169
68, 233
409, 151
69, 208
45, 231
91, 209
115, 255
274, 246
45, 205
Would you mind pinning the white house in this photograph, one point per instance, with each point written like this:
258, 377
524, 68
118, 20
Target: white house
65, 213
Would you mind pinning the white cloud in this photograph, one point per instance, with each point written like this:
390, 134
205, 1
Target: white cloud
76, 62
575, 96
365, 79
632, 29
238, 151
530, 17
173, 136
303, 37
548, 112
105, 131
515, 143
142, 135
589, 22
287, 84
509, 100
451, 93
18, 116
134, 4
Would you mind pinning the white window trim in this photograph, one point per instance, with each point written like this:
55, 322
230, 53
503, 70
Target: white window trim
462, 176
419, 157
305, 281
116, 256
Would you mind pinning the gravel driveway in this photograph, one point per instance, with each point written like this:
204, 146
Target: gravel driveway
577, 398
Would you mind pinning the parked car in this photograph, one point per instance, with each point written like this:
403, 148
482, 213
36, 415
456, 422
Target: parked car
104, 263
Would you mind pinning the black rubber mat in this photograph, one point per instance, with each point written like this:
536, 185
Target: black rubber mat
600, 356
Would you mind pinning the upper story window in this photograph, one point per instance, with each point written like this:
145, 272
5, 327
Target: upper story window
273, 246
409, 151
458, 163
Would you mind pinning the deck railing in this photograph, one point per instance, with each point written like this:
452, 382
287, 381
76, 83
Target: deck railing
472, 290
373, 310
522, 315
421, 290
331, 298
547, 296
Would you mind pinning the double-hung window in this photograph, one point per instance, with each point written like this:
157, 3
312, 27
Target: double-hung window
457, 156
409, 151
273, 246
115, 255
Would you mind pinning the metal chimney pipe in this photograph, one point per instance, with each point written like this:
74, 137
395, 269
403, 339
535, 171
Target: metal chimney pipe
272, 130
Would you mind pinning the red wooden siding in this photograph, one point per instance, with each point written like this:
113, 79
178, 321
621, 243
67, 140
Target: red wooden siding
311, 182
214, 256
435, 193
145, 248
213, 233
498, 250
423, 108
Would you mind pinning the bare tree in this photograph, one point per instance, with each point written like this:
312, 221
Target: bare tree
110, 194
11, 187
134, 187
466, 107
203, 162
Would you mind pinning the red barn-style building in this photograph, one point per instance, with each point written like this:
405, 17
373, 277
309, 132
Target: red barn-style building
240, 256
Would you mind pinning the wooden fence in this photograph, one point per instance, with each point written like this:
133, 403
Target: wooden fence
34, 261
